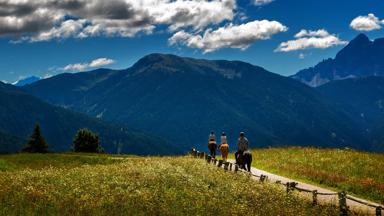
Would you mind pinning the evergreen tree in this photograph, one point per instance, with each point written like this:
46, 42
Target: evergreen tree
86, 141
36, 143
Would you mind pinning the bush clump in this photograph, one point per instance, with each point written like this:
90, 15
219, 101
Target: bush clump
86, 141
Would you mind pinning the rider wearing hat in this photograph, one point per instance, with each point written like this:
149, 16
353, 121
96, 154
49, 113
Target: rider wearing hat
242, 144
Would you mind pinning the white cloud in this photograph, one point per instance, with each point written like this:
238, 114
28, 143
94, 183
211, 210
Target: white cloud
306, 33
93, 64
366, 23
305, 39
230, 36
186, 13
101, 62
262, 2
53, 19
76, 67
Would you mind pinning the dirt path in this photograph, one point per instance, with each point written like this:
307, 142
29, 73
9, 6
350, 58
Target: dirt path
321, 198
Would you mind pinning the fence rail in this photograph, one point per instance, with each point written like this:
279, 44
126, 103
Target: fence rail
290, 186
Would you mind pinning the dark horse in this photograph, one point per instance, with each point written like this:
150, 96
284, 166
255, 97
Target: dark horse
244, 160
212, 149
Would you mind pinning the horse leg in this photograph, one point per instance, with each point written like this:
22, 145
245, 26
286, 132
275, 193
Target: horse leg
249, 163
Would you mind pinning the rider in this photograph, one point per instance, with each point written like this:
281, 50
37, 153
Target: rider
212, 143
223, 139
242, 144
224, 147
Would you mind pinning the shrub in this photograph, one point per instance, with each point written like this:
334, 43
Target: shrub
86, 141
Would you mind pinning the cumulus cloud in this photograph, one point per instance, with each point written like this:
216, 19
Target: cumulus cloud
305, 39
93, 64
262, 2
230, 36
306, 33
101, 62
366, 23
44, 20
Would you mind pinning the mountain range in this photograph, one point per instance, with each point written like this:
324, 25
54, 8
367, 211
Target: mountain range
361, 57
21, 111
183, 99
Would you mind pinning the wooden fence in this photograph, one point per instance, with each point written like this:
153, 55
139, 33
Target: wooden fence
290, 186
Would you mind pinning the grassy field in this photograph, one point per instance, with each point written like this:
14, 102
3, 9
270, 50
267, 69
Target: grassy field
358, 173
70, 184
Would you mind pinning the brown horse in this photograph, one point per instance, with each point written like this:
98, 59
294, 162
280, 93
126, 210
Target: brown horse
244, 160
224, 149
212, 148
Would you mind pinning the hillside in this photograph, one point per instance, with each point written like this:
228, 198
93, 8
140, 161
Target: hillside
106, 185
163, 93
10, 143
362, 99
20, 112
360, 58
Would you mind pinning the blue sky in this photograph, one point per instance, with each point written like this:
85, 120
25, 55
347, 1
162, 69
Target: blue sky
84, 36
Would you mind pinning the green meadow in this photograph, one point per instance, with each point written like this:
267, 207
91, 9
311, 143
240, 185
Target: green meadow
89, 184
358, 173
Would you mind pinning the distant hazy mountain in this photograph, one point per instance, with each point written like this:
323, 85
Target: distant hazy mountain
363, 100
183, 99
26, 81
19, 112
361, 57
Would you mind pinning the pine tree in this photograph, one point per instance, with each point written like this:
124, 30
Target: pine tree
36, 143
86, 141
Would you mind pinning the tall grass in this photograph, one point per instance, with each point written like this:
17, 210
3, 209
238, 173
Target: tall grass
358, 173
142, 186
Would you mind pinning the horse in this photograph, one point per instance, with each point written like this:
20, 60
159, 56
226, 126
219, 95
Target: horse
212, 148
244, 160
224, 149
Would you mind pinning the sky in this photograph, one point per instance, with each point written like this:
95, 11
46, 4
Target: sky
49, 37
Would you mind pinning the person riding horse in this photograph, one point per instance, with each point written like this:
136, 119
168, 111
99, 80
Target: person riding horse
224, 147
212, 144
243, 155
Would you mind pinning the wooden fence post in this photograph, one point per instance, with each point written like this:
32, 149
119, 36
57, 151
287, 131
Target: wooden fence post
209, 158
288, 187
193, 152
343, 203
220, 163
236, 167
378, 211
314, 197
230, 166
226, 164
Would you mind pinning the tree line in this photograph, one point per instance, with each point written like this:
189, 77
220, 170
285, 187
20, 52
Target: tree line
84, 141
